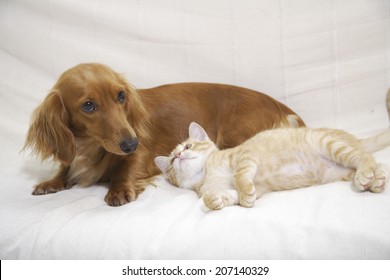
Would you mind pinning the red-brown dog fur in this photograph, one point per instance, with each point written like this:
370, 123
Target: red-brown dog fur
87, 145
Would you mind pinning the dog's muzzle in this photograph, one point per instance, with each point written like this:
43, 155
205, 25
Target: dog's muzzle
129, 146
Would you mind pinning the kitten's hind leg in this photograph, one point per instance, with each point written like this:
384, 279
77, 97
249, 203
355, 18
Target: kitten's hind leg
372, 179
363, 178
380, 179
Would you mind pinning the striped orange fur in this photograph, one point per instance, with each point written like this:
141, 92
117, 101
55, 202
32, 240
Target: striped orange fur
273, 160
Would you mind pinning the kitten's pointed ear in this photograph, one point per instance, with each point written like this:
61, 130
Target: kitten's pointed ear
162, 163
197, 132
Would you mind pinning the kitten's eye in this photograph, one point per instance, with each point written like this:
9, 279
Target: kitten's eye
121, 97
187, 146
88, 107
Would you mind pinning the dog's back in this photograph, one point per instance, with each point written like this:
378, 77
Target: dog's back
229, 114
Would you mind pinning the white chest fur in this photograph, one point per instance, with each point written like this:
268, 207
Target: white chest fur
89, 163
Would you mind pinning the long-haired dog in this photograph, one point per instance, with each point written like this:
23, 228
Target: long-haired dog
102, 129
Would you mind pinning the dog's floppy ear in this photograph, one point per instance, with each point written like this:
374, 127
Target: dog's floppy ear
49, 134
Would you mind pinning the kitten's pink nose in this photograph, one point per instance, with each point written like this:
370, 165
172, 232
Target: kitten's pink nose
177, 155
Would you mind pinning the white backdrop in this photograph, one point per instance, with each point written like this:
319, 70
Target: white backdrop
326, 59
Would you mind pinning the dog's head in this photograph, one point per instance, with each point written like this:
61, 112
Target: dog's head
88, 101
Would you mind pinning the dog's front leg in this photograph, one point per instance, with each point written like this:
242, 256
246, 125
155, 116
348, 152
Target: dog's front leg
125, 181
58, 183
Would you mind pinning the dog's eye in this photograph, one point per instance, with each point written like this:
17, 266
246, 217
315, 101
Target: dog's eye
121, 97
88, 107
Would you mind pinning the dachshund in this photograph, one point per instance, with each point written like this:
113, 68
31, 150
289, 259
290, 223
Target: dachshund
100, 128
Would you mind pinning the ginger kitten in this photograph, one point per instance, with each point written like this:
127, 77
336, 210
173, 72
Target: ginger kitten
273, 160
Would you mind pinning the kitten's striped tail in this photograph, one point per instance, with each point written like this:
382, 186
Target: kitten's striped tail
290, 121
382, 140
377, 142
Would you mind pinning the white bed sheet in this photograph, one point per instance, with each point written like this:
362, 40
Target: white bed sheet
327, 60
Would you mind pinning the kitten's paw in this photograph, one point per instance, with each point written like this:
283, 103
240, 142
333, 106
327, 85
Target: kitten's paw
364, 178
213, 200
247, 199
380, 180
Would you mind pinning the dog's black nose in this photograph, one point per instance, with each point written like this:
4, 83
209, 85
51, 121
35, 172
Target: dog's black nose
129, 146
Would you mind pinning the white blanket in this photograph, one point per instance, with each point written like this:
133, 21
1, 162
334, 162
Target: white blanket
328, 60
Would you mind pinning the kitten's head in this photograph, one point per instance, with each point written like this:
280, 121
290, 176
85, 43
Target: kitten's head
184, 167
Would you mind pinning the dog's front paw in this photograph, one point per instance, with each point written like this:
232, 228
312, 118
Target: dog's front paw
51, 186
118, 197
